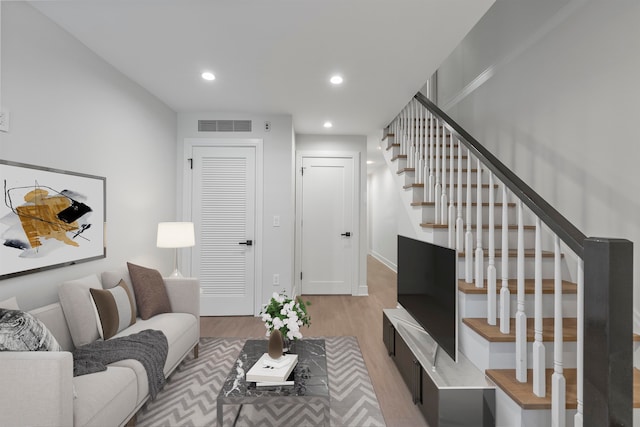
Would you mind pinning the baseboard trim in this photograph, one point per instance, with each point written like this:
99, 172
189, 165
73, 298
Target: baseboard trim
384, 260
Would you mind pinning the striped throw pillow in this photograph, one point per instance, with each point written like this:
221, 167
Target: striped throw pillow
114, 308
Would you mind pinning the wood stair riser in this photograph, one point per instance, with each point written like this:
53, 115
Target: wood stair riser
441, 237
429, 214
529, 268
502, 355
476, 305
418, 193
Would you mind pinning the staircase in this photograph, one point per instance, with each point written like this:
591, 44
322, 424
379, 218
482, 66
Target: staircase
521, 274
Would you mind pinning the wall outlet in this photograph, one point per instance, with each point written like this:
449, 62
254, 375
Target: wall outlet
276, 279
4, 121
267, 126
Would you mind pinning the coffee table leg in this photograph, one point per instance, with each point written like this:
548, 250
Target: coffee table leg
219, 414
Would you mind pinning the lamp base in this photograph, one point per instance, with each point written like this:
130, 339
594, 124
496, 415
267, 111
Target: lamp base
176, 273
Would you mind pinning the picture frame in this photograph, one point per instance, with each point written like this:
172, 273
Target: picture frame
49, 218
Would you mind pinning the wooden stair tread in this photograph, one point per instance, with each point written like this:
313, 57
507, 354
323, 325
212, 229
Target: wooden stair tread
522, 393
401, 171
399, 156
528, 253
510, 204
473, 227
492, 332
415, 185
548, 287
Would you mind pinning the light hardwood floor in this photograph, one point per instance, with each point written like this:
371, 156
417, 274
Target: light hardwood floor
352, 316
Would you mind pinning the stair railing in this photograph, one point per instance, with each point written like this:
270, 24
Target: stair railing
424, 131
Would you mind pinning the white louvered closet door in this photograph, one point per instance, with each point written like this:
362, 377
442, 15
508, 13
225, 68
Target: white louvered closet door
224, 181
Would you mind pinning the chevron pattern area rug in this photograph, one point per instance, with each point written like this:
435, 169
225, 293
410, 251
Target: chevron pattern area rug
189, 398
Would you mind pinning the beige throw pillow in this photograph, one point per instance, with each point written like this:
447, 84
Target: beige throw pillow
151, 294
77, 306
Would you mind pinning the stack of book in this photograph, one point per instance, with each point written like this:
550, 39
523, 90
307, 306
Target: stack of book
272, 372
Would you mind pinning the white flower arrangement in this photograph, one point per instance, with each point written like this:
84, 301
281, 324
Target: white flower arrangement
285, 314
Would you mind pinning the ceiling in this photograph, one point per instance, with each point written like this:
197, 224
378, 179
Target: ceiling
275, 56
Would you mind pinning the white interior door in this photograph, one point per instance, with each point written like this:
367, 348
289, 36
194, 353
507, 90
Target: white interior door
328, 232
223, 210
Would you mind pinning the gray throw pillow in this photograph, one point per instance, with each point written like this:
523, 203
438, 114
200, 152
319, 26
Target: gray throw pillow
151, 294
21, 331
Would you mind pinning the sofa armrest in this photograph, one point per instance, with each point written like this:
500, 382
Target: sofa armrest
184, 295
37, 388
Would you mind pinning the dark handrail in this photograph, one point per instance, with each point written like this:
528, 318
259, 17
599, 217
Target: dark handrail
564, 229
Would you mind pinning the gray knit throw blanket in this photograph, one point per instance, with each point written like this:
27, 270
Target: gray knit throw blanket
149, 347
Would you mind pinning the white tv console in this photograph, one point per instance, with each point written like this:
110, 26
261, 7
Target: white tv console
449, 393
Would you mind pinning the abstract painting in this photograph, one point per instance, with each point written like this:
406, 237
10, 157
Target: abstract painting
49, 218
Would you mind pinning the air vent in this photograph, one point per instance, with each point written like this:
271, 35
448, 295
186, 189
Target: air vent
224, 125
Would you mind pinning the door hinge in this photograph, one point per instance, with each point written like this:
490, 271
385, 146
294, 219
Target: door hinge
301, 275
190, 163
302, 171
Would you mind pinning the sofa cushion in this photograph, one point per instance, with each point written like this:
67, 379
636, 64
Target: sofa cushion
21, 331
151, 295
114, 309
104, 397
10, 304
181, 330
77, 306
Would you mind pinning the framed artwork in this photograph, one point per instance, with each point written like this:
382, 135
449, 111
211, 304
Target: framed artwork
49, 218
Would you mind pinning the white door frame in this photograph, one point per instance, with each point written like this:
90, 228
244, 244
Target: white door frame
357, 194
189, 144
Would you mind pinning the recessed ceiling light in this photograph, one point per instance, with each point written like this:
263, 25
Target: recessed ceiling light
208, 76
336, 80
328, 124
370, 162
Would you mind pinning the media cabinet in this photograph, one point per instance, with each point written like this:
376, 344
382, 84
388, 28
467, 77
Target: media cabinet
449, 394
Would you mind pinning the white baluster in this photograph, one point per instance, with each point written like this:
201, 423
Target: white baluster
558, 382
505, 293
444, 197
491, 268
452, 210
419, 176
578, 421
521, 317
432, 182
437, 195
459, 220
468, 237
479, 252
410, 133
539, 381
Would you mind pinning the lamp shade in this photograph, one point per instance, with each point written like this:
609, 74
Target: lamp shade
175, 235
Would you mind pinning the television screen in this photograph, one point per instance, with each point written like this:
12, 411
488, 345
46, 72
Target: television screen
427, 289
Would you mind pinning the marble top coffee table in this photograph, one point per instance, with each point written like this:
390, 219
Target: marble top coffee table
310, 389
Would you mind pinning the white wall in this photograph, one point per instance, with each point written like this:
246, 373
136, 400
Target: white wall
353, 143
71, 110
551, 87
385, 207
277, 183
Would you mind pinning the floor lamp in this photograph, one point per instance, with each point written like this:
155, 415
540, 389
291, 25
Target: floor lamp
175, 235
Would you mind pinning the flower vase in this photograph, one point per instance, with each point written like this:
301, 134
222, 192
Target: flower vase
286, 345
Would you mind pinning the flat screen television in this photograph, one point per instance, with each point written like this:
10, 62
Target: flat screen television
428, 289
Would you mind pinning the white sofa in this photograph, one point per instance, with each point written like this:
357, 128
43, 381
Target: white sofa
39, 389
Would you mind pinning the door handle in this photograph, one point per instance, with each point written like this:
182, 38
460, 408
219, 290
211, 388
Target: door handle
248, 243
347, 234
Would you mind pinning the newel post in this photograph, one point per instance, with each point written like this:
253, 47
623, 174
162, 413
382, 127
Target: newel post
608, 332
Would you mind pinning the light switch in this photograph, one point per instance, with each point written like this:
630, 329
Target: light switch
276, 220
